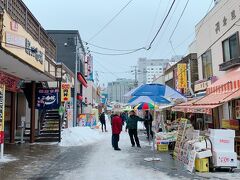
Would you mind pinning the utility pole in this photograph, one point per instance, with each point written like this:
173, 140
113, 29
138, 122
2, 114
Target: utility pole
135, 71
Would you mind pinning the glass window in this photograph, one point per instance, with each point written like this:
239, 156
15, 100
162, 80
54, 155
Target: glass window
207, 64
230, 48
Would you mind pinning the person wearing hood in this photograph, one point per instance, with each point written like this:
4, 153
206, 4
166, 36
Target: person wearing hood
116, 130
131, 126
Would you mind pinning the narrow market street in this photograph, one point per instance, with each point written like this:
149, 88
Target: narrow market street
96, 161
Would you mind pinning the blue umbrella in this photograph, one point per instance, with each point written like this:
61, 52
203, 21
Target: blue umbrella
159, 90
148, 99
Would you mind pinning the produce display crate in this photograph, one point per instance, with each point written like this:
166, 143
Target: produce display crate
202, 165
162, 147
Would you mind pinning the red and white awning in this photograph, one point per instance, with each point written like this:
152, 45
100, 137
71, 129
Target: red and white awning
230, 82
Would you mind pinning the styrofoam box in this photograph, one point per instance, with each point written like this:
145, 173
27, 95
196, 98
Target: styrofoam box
223, 144
204, 154
221, 132
224, 159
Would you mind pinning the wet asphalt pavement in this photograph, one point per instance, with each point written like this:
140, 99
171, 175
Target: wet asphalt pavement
38, 161
43, 162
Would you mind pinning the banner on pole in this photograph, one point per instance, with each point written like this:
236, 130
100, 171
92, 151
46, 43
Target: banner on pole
2, 107
65, 92
182, 76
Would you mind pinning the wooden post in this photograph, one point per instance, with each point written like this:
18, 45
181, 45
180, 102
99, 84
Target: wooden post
13, 117
32, 130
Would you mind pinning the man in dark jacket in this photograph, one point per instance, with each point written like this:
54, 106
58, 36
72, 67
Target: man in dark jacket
132, 122
116, 130
103, 121
148, 123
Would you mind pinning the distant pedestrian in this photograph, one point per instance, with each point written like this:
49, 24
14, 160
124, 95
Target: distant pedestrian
132, 122
116, 130
103, 121
148, 123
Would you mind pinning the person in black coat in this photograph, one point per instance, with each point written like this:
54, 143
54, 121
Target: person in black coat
148, 123
103, 121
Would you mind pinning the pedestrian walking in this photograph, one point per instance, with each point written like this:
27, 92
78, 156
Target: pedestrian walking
131, 126
103, 121
116, 130
148, 123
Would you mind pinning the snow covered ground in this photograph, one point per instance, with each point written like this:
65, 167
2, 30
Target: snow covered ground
79, 136
107, 164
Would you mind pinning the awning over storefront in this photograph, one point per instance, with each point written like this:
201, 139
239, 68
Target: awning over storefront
206, 103
229, 82
82, 79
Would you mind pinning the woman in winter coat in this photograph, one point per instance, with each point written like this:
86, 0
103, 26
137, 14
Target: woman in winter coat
116, 130
132, 122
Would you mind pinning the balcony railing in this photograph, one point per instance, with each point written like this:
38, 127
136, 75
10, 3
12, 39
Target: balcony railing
229, 64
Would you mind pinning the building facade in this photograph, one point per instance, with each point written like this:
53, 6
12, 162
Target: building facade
71, 52
118, 88
148, 69
27, 62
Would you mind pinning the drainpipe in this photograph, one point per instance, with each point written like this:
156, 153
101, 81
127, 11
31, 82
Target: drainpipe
189, 77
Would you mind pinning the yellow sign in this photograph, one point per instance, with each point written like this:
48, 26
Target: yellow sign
225, 124
65, 92
182, 76
2, 106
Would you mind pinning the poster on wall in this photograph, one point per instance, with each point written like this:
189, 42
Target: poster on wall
237, 109
2, 106
47, 98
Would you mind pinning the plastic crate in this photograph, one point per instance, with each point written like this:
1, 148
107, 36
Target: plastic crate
202, 165
162, 147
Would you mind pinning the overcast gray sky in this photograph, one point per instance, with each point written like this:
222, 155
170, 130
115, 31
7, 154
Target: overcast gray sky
135, 27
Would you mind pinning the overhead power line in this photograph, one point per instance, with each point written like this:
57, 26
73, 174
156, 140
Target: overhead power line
150, 45
119, 54
179, 20
110, 49
110, 21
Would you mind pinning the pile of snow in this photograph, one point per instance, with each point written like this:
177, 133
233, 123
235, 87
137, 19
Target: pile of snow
7, 158
79, 136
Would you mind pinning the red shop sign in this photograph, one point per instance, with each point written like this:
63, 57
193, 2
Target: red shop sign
9, 81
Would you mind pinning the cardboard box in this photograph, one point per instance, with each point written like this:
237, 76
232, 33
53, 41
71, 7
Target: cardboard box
204, 154
222, 144
224, 159
221, 133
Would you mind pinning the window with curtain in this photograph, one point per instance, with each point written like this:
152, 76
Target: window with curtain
207, 64
231, 48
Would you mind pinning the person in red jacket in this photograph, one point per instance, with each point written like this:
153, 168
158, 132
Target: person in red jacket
116, 130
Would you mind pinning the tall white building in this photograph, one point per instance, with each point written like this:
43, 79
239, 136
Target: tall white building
149, 69
118, 88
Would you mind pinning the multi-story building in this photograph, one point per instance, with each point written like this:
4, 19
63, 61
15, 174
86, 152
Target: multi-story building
27, 62
148, 69
71, 52
218, 56
118, 88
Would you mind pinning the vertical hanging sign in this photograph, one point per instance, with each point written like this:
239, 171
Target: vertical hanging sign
182, 75
65, 92
2, 107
